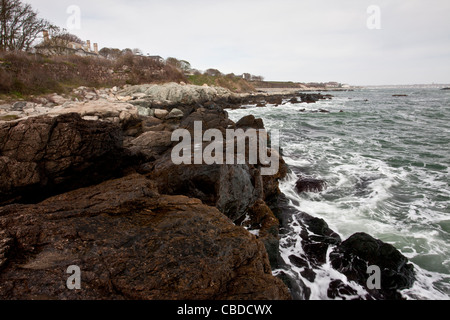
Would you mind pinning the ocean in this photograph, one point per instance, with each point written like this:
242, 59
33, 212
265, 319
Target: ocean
386, 161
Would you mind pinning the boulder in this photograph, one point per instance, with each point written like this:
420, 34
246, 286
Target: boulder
43, 155
151, 144
57, 99
227, 187
130, 243
210, 118
250, 122
160, 113
172, 94
175, 114
122, 113
306, 184
354, 255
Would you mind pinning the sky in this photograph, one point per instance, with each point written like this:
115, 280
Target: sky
357, 42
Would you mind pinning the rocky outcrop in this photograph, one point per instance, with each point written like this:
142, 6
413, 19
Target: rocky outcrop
313, 97
43, 155
172, 94
306, 184
230, 188
321, 247
172, 234
353, 257
130, 242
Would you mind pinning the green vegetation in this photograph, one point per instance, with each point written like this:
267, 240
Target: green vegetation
9, 117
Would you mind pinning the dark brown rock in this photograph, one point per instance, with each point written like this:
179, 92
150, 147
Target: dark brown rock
215, 118
306, 184
227, 187
260, 217
130, 243
250, 122
40, 156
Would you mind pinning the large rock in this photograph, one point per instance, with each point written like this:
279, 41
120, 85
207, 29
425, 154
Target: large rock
171, 94
210, 119
250, 122
227, 187
306, 184
151, 144
353, 256
108, 111
130, 243
43, 155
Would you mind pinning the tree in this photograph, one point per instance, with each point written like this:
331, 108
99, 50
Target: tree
60, 38
174, 62
213, 72
137, 52
110, 53
185, 65
19, 25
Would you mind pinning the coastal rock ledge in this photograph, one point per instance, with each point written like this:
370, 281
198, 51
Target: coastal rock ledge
130, 242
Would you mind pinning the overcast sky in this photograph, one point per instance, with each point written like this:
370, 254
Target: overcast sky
285, 40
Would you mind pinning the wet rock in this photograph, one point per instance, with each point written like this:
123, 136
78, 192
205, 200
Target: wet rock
250, 122
293, 100
306, 184
43, 155
337, 288
353, 256
276, 99
130, 243
261, 218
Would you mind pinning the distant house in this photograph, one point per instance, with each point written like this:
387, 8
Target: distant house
48, 48
333, 85
247, 76
157, 58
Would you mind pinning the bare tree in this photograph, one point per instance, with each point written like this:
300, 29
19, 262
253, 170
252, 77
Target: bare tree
19, 25
174, 62
59, 40
213, 72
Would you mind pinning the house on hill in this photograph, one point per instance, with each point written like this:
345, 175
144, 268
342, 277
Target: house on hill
59, 46
157, 58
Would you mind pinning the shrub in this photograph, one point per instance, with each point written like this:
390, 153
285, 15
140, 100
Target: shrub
34, 74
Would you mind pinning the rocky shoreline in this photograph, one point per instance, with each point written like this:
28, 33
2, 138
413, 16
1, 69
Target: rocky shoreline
87, 180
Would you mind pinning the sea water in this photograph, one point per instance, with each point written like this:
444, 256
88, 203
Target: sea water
386, 161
